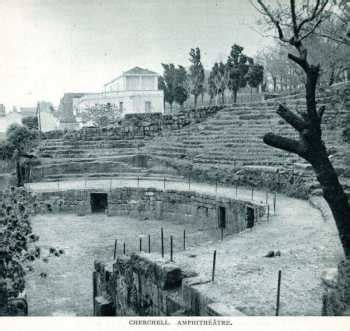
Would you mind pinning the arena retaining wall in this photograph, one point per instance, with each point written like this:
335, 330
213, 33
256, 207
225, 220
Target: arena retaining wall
210, 213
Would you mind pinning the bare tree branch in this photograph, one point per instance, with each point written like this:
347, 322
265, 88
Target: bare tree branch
273, 20
286, 144
294, 18
294, 120
316, 12
300, 61
312, 29
337, 39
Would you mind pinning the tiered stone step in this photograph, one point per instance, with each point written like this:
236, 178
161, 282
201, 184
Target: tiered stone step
234, 135
62, 158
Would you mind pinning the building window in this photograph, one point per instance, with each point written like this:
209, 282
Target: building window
148, 106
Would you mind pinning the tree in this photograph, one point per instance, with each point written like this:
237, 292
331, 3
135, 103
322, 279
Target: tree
101, 115
334, 58
255, 75
18, 244
19, 142
31, 122
337, 27
237, 67
196, 75
298, 24
167, 83
180, 95
279, 73
217, 82
180, 91
173, 83
21, 137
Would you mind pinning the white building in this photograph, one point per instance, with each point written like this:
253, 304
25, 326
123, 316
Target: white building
135, 91
47, 118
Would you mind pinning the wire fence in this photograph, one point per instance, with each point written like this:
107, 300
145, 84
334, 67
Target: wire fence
183, 236
164, 183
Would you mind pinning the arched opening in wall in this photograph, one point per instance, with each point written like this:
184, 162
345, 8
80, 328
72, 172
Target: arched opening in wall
98, 202
250, 217
222, 217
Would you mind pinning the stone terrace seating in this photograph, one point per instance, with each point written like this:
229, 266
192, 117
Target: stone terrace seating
71, 158
233, 137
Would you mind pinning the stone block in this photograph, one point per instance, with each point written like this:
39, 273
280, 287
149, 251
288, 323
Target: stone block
104, 307
194, 300
174, 306
220, 309
166, 276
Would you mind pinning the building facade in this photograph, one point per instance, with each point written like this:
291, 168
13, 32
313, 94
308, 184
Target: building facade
135, 91
2, 110
47, 117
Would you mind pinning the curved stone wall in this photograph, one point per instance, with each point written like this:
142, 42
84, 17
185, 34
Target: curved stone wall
210, 213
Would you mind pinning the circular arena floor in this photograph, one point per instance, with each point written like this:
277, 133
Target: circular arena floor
244, 277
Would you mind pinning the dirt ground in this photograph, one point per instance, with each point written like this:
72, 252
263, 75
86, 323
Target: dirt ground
67, 290
247, 280
244, 277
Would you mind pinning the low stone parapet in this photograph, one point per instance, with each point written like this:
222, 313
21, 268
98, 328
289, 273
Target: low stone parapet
140, 285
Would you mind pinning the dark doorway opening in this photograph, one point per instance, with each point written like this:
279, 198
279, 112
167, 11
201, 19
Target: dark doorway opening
250, 217
222, 217
99, 202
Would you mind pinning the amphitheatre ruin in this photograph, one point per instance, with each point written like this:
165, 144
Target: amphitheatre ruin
187, 212
205, 179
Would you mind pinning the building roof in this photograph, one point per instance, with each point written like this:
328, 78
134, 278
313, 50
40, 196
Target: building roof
139, 71
134, 71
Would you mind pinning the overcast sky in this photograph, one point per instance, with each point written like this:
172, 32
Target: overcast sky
48, 47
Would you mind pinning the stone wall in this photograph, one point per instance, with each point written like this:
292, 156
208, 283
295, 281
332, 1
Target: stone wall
169, 205
139, 125
292, 182
144, 285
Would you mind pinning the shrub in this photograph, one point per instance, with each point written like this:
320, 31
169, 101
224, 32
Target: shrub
18, 243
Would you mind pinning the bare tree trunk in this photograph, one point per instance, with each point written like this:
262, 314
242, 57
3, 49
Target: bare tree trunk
234, 94
195, 101
308, 124
18, 173
274, 83
335, 197
311, 147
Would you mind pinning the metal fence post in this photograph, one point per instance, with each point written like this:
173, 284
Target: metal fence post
278, 292
214, 265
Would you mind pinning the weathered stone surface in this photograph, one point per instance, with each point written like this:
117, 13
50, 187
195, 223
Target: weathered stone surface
147, 203
329, 277
220, 309
103, 307
336, 296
